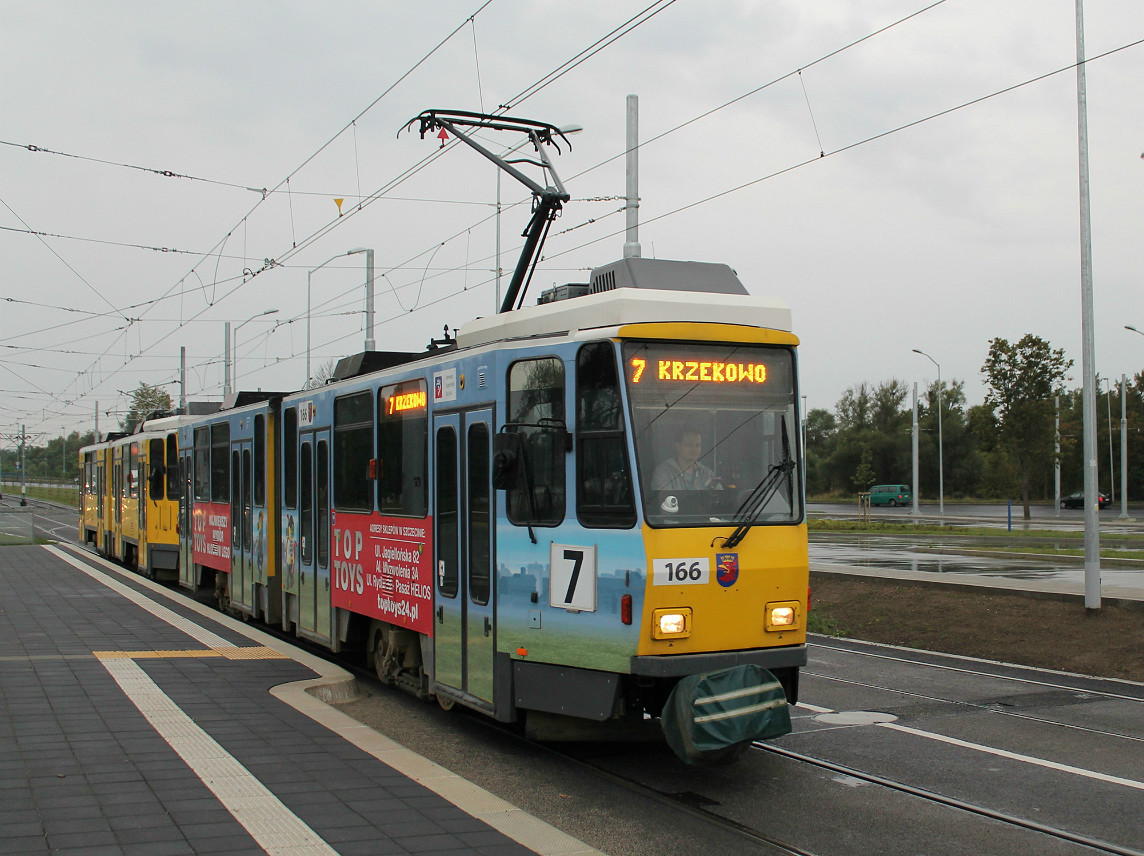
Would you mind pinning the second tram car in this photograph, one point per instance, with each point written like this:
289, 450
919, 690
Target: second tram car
227, 516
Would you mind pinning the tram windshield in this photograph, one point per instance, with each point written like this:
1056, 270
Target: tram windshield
716, 433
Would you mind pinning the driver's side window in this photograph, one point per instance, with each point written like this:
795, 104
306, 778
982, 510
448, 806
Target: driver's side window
536, 413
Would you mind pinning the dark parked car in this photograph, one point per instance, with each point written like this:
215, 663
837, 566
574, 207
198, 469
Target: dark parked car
1076, 500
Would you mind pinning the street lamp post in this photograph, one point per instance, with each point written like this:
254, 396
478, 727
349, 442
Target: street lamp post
940, 441
369, 340
914, 450
1124, 448
1111, 461
369, 306
234, 361
1124, 437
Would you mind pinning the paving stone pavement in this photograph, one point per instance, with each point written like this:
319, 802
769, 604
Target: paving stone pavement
83, 770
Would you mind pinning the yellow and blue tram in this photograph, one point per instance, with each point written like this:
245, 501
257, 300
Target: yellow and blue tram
558, 515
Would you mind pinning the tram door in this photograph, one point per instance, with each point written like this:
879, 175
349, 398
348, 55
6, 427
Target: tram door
241, 523
115, 548
465, 616
101, 502
187, 574
314, 533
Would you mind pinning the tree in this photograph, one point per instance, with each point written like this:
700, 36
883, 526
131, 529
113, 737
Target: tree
821, 432
958, 445
145, 400
887, 407
872, 435
322, 375
854, 407
863, 475
1022, 379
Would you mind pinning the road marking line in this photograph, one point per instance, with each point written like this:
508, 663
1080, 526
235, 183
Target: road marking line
1001, 753
813, 708
1016, 756
277, 830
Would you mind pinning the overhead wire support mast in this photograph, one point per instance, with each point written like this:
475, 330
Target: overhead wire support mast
547, 201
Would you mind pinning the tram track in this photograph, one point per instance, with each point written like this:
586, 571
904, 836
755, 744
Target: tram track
1081, 683
1082, 693
1095, 844
686, 802
986, 707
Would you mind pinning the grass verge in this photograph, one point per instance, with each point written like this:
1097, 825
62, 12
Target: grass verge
1014, 627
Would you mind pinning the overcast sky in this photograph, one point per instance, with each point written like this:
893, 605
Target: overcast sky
939, 236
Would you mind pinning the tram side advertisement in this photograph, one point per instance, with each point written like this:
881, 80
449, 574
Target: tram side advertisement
211, 525
383, 568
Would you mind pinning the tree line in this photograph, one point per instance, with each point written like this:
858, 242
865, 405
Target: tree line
1000, 449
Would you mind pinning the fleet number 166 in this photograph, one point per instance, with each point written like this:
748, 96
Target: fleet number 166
676, 572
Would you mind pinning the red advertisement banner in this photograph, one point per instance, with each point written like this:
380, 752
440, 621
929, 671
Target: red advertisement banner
212, 535
383, 567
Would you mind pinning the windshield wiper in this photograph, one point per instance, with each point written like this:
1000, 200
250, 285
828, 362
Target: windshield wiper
757, 500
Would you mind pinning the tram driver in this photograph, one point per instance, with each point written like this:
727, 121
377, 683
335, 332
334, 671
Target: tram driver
684, 470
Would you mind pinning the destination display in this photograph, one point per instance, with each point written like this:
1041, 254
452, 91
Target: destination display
404, 402
696, 371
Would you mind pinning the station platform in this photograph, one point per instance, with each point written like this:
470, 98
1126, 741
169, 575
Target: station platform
135, 721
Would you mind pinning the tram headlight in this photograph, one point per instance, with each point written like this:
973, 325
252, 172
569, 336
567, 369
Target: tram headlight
671, 623
782, 616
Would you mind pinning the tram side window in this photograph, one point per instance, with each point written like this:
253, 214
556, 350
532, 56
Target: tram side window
323, 485
402, 443
290, 458
604, 497
131, 467
220, 462
259, 460
536, 413
447, 517
306, 516
173, 466
480, 515
155, 479
202, 464
353, 448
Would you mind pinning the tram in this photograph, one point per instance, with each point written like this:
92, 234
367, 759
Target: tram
557, 515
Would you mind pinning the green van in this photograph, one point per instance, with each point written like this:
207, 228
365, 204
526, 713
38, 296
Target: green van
890, 494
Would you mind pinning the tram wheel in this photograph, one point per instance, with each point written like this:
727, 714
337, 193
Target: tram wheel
446, 702
379, 657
